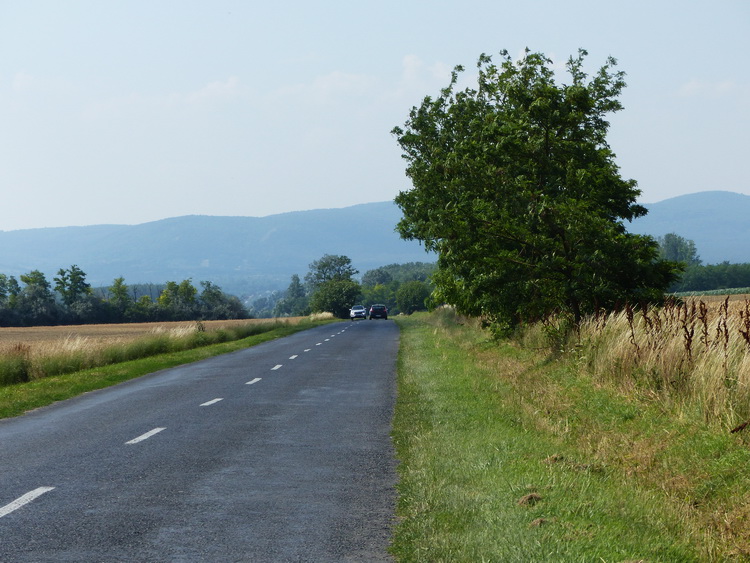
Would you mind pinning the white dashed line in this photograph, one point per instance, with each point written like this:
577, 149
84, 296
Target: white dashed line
211, 402
253, 381
24, 500
319, 343
145, 436
292, 357
277, 366
308, 349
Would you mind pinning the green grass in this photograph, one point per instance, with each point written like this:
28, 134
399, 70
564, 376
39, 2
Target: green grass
21, 397
508, 456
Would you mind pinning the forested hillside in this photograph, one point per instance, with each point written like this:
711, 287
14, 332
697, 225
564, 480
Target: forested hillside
251, 255
243, 255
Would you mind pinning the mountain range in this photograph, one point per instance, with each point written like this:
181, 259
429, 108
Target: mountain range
249, 255
243, 255
717, 221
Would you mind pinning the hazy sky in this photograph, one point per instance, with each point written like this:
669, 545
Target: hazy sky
128, 111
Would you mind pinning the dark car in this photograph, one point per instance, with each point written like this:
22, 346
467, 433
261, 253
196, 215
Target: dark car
357, 312
378, 312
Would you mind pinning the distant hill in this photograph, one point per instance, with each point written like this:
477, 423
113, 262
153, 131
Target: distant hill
249, 255
717, 221
244, 255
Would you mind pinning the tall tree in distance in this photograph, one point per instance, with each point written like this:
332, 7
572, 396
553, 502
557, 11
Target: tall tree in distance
295, 301
679, 249
119, 298
517, 190
332, 288
71, 284
330, 267
36, 303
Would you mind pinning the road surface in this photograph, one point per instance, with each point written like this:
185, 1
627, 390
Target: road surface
280, 452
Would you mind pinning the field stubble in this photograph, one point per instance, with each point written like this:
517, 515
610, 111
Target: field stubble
30, 353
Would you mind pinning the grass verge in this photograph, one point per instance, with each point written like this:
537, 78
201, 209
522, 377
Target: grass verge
507, 456
21, 397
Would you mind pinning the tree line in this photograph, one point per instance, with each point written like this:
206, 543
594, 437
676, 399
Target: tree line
33, 300
330, 285
698, 276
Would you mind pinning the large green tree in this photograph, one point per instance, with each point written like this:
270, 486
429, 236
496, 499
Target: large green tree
412, 296
330, 267
332, 287
335, 296
517, 190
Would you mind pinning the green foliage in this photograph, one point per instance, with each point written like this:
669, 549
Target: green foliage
385, 294
382, 285
71, 284
295, 302
335, 296
9, 288
328, 288
74, 302
119, 298
678, 249
516, 189
330, 267
411, 296
399, 273
378, 276
712, 277
35, 303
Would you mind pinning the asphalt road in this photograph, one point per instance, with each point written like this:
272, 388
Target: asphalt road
280, 452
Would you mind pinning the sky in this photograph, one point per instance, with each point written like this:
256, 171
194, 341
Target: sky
130, 111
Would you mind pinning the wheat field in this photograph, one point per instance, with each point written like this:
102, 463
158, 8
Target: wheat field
109, 333
36, 352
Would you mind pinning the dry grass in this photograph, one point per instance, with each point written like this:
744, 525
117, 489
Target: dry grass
695, 354
662, 398
38, 352
111, 332
322, 317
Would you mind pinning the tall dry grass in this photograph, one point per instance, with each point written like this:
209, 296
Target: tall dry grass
693, 354
43, 353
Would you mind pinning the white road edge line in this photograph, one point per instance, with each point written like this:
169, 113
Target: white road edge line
24, 500
211, 402
277, 366
251, 382
145, 436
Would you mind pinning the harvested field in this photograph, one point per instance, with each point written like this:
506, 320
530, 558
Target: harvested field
38, 352
113, 332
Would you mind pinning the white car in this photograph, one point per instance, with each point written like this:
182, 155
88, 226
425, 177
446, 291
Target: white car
357, 312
